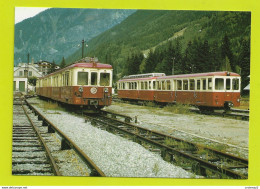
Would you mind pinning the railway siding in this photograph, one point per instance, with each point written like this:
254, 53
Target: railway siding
196, 158
29, 157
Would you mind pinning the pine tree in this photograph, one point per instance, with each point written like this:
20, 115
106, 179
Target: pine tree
215, 57
178, 58
226, 51
63, 63
226, 65
245, 63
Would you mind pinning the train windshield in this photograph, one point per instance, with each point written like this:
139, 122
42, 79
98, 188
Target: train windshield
104, 79
93, 78
235, 84
82, 78
219, 84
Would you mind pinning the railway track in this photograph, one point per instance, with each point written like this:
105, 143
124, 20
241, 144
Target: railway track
31, 155
233, 113
193, 157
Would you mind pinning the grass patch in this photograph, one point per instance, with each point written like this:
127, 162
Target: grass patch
177, 108
48, 105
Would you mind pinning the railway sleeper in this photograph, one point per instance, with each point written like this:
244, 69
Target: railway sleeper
65, 145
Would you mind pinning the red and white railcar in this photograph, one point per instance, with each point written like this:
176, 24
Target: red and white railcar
85, 84
213, 90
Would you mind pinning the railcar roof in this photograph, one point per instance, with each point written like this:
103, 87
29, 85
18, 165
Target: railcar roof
134, 79
83, 65
224, 73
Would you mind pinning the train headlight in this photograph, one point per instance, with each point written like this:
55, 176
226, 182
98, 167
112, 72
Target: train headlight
80, 89
106, 90
238, 100
230, 104
93, 90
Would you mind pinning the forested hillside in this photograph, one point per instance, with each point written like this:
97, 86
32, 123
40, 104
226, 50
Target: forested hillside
192, 41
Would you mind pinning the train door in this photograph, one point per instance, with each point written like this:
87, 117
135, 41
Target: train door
228, 96
178, 89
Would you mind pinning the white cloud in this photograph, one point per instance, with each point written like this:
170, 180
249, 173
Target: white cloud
22, 13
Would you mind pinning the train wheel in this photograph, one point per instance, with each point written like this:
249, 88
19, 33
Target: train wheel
205, 109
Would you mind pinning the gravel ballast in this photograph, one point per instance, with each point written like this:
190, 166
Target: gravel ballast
114, 155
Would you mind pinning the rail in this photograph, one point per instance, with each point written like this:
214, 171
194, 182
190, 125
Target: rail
171, 148
66, 143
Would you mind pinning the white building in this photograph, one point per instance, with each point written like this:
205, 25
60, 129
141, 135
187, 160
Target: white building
21, 74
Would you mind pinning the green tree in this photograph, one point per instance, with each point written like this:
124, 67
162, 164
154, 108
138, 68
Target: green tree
245, 62
226, 65
32, 80
63, 63
226, 51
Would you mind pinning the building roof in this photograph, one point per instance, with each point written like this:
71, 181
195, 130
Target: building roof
247, 88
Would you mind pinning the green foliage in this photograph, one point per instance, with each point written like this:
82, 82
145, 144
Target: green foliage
32, 80
192, 41
63, 63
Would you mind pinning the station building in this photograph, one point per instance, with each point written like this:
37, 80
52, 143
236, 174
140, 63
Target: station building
21, 74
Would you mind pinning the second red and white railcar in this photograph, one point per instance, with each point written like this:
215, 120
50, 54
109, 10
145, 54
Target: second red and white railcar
213, 90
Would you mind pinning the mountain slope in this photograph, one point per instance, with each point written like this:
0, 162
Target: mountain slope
147, 29
55, 33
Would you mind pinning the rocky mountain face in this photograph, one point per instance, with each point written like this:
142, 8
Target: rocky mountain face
57, 33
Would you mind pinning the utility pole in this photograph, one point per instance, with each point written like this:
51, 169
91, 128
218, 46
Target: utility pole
83, 46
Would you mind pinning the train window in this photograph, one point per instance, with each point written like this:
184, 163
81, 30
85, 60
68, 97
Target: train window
163, 85
185, 84
104, 79
204, 86
150, 85
67, 77
192, 84
82, 78
198, 84
179, 84
228, 84
209, 83
145, 85
219, 84
168, 85
93, 78
153, 87
159, 85
235, 84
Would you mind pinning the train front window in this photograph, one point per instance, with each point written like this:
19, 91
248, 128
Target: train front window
93, 78
235, 84
82, 78
104, 79
219, 84
228, 84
